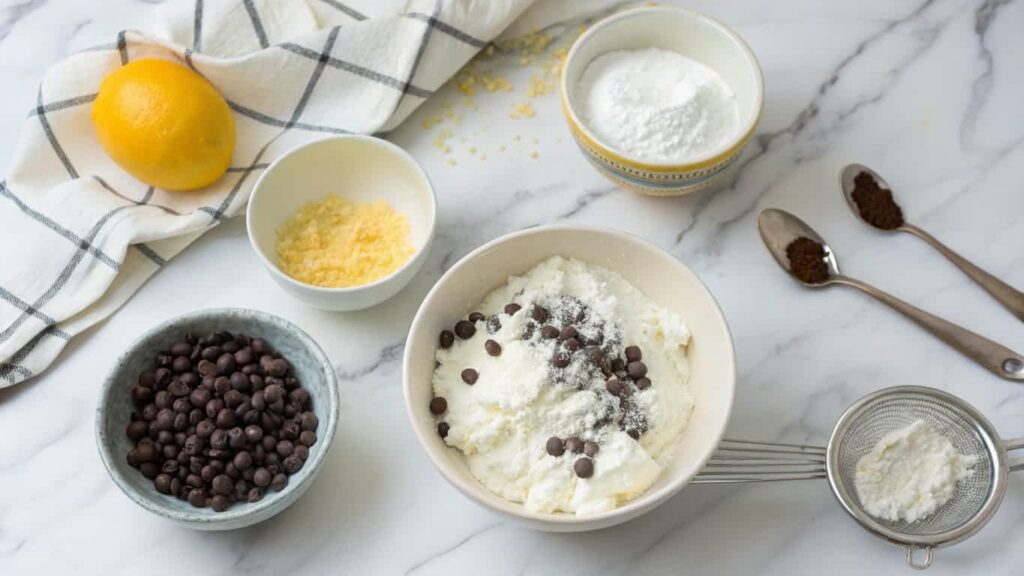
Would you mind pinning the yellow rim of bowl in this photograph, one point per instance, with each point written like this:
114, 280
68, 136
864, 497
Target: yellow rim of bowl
579, 130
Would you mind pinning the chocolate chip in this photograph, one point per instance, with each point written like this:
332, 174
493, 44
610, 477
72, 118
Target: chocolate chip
555, 446
219, 503
178, 389
162, 483
273, 393
164, 419
292, 464
146, 453
618, 365
253, 433
260, 346
285, 448
560, 360
540, 314
309, 421
225, 363
181, 348
279, 482
548, 332
512, 308
262, 477
306, 439
255, 495
205, 428
446, 339
141, 395
236, 438
244, 356
567, 332
643, 383
163, 378
278, 367
242, 460
613, 385
590, 448
222, 484
442, 429
199, 397
574, 445
197, 497
299, 397
207, 368
465, 329
584, 467
137, 430
470, 376
493, 348
226, 419
636, 369
240, 382
180, 364
633, 354
633, 433
572, 344
438, 405
476, 317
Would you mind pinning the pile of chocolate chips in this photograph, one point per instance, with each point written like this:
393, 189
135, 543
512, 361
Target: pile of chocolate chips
220, 419
807, 260
583, 466
876, 204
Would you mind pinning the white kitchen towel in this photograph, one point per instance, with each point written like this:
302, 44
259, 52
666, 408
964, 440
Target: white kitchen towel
79, 235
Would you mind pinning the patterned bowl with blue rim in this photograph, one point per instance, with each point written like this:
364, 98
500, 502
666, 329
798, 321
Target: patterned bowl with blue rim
691, 34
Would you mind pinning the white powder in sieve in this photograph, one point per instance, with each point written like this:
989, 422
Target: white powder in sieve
657, 104
910, 473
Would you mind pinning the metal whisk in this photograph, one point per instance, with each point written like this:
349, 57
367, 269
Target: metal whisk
856, 433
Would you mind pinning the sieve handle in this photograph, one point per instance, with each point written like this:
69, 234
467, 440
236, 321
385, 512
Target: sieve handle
742, 461
993, 356
913, 563
1011, 445
1011, 298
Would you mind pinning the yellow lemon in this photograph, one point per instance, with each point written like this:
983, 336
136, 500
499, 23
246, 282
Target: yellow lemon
164, 124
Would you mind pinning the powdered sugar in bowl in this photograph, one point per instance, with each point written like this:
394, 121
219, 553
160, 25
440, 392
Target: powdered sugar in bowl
661, 100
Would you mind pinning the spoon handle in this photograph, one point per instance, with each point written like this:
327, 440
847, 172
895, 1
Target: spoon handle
998, 359
1005, 294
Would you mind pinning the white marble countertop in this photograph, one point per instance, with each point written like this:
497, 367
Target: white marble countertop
929, 93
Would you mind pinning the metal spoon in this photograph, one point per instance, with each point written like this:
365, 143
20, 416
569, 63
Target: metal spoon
778, 228
1007, 295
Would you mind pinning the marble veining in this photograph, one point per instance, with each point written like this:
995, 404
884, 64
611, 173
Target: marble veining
927, 92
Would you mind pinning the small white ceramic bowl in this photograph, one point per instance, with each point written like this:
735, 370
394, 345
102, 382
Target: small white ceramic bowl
359, 169
655, 273
691, 34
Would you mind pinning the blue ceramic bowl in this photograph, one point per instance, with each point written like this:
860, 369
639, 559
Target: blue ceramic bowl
310, 365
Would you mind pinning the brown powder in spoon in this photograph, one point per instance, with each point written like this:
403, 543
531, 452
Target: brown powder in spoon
875, 204
807, 260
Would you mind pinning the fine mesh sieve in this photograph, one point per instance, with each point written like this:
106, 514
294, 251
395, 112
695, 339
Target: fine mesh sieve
858, 430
